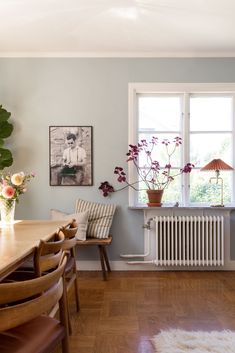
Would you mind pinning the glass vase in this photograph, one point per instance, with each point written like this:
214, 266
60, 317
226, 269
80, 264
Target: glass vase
7, 211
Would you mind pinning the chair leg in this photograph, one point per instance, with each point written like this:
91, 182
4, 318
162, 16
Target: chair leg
65, 319
102, 262
106, 259
76, 292
65, 346
69, 323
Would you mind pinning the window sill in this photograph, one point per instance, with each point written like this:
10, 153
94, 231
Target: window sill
142, 207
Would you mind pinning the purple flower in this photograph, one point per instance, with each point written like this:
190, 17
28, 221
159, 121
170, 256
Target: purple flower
177, 140
187, 168
154, 140
155, 165
121, 174
106, 188
143, 143
133, 152
165, 142
117, 170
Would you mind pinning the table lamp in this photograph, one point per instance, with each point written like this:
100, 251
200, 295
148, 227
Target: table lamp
217, 165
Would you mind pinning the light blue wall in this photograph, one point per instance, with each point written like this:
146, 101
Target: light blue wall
44, 92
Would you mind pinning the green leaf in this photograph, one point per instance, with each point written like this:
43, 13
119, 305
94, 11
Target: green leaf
4, 114
6, 159
5, 129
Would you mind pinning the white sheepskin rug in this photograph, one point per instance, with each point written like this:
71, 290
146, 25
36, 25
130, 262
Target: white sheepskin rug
179, 341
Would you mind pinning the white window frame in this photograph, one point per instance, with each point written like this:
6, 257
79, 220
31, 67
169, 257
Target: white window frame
185, 89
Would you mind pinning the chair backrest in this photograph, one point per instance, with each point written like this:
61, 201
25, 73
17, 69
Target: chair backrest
69, 233
36, 297
48, 254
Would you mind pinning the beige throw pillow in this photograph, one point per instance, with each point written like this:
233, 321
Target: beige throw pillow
81, 218
100, 217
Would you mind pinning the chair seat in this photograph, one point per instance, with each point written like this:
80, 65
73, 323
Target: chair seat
39, 335
95, 241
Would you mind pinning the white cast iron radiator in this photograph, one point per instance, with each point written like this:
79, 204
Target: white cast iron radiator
189, 240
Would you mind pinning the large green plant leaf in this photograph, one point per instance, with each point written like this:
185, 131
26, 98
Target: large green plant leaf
6, 159
5, 129
4, 114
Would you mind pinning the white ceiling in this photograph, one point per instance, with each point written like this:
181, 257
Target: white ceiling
186, 28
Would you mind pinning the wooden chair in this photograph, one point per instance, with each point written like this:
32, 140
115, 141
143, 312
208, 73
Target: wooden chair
23, 325
46, 258
101, 244
71, 274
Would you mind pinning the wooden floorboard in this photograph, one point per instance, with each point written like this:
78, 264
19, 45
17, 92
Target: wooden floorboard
122, 314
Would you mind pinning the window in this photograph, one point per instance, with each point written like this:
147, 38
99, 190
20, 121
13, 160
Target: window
203, 115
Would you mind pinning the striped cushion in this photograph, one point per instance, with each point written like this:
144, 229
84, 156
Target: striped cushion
100, 217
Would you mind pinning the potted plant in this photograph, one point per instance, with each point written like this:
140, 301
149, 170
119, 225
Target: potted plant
154, 177
6, 129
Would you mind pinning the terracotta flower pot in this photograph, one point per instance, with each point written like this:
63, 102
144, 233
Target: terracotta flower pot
155, 198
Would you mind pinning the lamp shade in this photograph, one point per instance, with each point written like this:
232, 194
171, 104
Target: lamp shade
217, 164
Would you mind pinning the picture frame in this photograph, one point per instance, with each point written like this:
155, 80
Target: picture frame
71, 155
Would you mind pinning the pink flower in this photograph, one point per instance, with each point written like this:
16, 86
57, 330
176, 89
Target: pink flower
8, 192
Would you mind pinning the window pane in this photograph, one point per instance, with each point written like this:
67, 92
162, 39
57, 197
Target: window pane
160, 151
205, 147
210, 113
159, 113
202, 190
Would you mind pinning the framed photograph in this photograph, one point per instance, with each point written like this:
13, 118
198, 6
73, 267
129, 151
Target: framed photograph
70, 155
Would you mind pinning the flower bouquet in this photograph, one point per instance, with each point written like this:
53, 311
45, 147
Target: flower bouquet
11, 187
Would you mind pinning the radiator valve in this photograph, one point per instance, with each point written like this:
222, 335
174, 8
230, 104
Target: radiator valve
147, 225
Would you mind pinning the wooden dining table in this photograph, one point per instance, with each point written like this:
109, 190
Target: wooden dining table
18, 241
